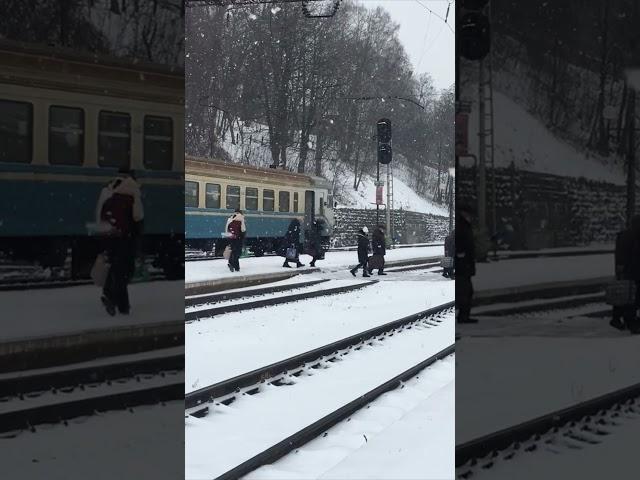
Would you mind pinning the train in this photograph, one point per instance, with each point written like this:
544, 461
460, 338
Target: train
270, 199
68, 123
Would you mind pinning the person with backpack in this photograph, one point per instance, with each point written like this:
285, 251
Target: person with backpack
379, 247
464, 263
363, 252
120, 207
292, 244
449, 252
236, 231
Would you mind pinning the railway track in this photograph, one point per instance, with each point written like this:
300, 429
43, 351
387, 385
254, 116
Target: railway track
579, 426
36, 283
32, 398
206, 401
270, 301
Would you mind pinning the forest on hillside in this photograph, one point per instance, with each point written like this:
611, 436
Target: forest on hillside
574, 54
317, 86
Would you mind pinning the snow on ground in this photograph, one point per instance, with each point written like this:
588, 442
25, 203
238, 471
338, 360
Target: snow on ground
403, 198
509, 380
312, 288
268, 335
526, 141
101, 447
530, 271
215, 269
60, 311
406, 433
593, 462
230, 435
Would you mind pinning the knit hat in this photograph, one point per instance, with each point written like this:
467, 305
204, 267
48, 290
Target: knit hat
365, 229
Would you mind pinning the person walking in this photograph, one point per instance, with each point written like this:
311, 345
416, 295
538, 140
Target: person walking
236, 229
634, 322
292, 240
120, 206
379, 248
464, 263
363, 252
449, 252
315, 242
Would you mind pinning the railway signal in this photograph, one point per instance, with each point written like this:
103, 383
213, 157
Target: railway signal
475, 30
385, 153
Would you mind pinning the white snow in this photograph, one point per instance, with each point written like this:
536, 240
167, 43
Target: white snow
215, 269
525, 140
272, 334
101, 447
232, 434
73, 310
406, 433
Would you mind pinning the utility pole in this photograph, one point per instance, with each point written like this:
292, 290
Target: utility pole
388, 207
631, 157
482, 171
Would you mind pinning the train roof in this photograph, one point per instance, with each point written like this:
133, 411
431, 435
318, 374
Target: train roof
70, 70
200, 165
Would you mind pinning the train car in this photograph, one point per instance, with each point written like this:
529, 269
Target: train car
269, 198
68, 122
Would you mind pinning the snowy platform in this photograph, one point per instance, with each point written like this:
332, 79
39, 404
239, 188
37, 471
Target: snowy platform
216, 270
42, 327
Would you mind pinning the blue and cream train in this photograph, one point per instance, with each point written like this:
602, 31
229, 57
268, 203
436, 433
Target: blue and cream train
67, 123
269, 198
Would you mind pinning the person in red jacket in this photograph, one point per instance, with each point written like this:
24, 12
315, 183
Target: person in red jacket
236, 230
120, 207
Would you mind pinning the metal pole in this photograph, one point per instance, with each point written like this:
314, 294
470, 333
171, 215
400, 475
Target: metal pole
482, 175
377, 183
631, 158
388, 207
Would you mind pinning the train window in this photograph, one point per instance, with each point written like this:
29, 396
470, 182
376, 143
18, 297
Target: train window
321, 205
16, 131
283, 201
233, 197
66, 135
212, 195
251, 198
268, 199
191, 194
158, 143
114, 139
295, 201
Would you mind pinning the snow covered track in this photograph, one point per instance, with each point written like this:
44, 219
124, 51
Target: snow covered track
225, 390
575, 427
225, 296
268, 302
61, 393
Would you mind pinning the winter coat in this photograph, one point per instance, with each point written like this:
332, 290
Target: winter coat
623, 255
465, 259
236, 226
363, 246
315, 239
635, 249
449, 245
292, 236
120, 205
378, 242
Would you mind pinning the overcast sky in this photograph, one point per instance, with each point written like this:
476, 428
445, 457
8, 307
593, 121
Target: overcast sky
429, 43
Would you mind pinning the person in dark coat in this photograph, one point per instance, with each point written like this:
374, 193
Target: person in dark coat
315, 242
379, 247
236, 229
633, 323
292, 239
363, 252
464, 263
623, 268
449, 251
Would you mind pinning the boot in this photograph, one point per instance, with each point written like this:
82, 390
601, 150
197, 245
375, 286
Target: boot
230, 267
298, 265
312, 264
353, 271
381, 272
286, 264
108, 305
364, 274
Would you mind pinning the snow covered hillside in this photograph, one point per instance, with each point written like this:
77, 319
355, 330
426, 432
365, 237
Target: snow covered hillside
249, 143
524, 140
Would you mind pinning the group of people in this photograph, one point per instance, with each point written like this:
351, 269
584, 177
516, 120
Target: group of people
377, 246
627, 267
